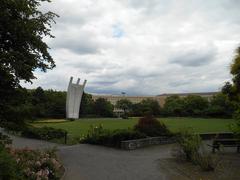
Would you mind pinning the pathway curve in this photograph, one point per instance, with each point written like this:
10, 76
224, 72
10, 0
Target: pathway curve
89, 162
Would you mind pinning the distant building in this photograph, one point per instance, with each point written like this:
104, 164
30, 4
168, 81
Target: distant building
160, 98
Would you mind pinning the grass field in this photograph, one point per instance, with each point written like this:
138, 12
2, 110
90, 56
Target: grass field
80, 127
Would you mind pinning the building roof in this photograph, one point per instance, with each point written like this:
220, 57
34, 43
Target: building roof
186, 94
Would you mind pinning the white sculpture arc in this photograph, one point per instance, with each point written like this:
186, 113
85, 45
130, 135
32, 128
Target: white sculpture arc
74, 97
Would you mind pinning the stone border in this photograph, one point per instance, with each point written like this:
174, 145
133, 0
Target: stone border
139, 143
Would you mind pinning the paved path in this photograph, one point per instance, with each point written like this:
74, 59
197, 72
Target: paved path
89, 162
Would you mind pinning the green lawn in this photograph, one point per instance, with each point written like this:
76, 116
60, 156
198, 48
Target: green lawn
81, 126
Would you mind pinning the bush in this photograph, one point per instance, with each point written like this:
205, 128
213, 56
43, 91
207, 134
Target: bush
44, 133
189, 144
100, 136
12, 126
151, 127
189, 149
235, 127
8, 165
207, 162
4, 140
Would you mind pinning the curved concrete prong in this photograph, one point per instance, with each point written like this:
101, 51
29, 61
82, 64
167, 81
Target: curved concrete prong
78, 81
85, 81
71, 79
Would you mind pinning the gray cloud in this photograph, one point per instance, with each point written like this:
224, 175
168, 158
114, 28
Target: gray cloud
78, 43
194, 58
158, 46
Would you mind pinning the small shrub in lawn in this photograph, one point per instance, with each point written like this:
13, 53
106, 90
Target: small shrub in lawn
100, 136
189, 144
151, 127
44, 133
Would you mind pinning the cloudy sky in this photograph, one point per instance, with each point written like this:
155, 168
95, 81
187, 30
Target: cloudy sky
142, 47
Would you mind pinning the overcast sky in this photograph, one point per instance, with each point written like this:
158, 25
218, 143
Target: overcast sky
142, 47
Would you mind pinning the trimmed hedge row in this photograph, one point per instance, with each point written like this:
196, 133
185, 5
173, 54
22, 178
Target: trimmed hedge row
100, 136
44, 133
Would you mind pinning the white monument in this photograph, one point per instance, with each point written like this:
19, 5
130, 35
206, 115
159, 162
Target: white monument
74, 97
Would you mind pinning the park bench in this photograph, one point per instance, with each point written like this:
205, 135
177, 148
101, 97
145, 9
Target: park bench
217, 143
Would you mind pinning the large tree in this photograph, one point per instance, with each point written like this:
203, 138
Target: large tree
232, 89
125, 105
22, 49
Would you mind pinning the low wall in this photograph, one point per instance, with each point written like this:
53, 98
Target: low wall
221, 135
139, 143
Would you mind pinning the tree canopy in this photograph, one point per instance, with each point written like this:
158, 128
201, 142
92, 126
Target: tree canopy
22, 49
233, 89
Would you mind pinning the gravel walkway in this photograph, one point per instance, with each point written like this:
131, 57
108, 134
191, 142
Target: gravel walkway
89, 162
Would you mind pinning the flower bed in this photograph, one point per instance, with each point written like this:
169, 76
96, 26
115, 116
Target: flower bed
21, 164
37, 164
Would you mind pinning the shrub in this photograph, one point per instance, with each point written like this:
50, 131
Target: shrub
189, 148
207, 162
12, 126
44, 133
151, 127
22, 164
4, 140
100, 136
189, 144
8, 165
235, 127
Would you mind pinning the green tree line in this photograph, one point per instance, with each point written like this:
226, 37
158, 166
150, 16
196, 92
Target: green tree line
38, 103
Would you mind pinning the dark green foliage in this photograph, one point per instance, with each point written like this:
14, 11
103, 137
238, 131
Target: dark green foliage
220, 106
174, 106
4, 140
98, 135
8, 165
232, 89
48, 103
189, 144
190, 148
207, 161
217, 106
151, 127
150, 106
44, 133
12, 126
103, 108
22, 50
22, 28
87, 105
195, 105
125, 105
236, 126
16, 110
146, 107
